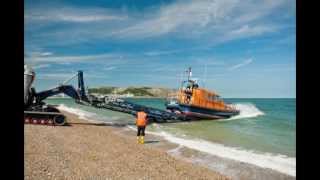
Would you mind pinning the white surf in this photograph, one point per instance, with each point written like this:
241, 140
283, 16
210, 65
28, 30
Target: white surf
278, 162
247, 110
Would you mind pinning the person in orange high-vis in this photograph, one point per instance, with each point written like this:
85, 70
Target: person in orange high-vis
141, 123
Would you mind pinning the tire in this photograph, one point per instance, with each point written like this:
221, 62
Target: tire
59, 120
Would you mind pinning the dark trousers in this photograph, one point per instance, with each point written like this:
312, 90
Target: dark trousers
141, 130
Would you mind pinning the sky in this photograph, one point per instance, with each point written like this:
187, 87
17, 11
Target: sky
241, 49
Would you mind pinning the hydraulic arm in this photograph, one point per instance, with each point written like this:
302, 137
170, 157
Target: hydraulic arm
78, 95
66, 89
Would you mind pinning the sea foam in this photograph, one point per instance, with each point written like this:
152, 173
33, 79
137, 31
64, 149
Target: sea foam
278, 162
82, 114
247, 110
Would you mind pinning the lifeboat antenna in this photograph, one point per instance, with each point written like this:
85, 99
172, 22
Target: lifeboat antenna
180, 80
189, 73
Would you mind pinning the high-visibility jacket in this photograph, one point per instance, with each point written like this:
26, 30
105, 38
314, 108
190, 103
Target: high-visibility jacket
141, 119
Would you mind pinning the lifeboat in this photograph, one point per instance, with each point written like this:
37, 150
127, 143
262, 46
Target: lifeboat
195, 102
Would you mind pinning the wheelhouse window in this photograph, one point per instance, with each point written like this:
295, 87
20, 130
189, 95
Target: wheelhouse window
213, 97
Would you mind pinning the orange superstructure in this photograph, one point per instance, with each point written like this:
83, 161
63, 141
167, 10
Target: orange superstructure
203, 98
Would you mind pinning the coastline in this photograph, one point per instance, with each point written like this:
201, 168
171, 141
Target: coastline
227, 167
89, 150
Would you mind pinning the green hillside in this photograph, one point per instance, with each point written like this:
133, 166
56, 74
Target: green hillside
136, 91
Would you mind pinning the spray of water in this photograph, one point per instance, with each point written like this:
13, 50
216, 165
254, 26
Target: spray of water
247, 110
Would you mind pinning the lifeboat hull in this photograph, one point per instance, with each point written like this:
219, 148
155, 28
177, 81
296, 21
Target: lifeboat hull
194, 112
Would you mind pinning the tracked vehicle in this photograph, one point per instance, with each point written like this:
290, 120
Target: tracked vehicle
38, 112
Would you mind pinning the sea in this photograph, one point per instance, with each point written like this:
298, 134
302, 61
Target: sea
263, 134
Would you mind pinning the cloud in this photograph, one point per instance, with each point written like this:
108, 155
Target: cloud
244, 63
46, 54
178, 16
246, 31
70, 14
252, 30
64, 76
110, 68
207, 21
54, 76
38, 54
160, 53
37, 58
40, 66
219, 17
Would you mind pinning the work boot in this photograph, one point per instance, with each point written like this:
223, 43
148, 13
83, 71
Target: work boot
138, 139
142, 140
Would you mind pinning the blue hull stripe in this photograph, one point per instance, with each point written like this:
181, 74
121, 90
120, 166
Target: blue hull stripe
202, 112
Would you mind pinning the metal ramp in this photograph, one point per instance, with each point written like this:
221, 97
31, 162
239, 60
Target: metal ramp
121, 105
113, 103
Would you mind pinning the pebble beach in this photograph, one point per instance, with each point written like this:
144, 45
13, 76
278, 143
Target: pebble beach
86, 150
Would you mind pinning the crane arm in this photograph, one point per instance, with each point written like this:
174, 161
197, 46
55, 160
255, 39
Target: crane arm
66, 89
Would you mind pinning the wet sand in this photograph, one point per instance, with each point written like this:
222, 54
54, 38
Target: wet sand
86, 150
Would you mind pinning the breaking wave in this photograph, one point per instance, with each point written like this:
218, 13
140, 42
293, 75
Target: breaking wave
82, 114
278, 162
247, 110
93, 117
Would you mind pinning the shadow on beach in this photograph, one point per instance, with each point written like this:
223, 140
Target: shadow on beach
99, 124
151, 141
